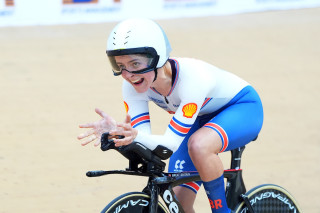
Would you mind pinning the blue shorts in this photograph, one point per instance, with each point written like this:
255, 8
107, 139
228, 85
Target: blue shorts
237, 123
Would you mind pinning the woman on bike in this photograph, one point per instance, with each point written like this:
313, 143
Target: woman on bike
213, 110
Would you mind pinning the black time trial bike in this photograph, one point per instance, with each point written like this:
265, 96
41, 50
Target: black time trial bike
266, 198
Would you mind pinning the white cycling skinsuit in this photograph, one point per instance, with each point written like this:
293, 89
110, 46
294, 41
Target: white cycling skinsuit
198, 88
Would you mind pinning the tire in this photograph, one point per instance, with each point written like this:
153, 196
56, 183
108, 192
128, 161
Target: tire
269, 198
136, 202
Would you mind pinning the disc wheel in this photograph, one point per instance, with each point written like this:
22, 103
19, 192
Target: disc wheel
269, 198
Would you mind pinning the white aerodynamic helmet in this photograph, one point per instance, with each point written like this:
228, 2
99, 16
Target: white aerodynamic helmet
138, 36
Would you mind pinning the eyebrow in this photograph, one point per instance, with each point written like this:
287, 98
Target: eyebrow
133, 60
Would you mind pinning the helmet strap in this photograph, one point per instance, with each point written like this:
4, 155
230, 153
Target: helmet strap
155, 74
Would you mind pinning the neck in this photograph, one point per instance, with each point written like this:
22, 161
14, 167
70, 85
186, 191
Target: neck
164, 80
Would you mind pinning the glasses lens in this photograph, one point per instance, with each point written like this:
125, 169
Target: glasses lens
134, 63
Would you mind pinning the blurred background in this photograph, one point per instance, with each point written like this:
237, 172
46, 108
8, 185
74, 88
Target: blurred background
54, 72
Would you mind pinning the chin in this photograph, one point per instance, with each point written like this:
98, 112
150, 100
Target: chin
141, 90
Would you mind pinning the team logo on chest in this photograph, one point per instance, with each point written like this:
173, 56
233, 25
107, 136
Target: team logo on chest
189, 110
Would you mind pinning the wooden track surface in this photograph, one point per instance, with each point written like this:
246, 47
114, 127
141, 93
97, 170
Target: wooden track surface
52, 78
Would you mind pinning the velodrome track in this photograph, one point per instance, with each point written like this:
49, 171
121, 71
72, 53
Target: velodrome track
52, 78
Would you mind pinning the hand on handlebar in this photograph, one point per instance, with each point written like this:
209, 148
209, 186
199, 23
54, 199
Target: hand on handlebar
106, 124
126, 130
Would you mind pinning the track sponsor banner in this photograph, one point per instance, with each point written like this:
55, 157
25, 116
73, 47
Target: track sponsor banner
6, 9
36, 12
186, 8
189, 8
188, 4
89, 10
48, 12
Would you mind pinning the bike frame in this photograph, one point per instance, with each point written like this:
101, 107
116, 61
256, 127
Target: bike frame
161, 183
163, 186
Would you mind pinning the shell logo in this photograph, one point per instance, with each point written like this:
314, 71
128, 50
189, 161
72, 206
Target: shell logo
189, 110
126, 106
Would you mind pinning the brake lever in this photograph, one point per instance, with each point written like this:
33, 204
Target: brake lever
107, 143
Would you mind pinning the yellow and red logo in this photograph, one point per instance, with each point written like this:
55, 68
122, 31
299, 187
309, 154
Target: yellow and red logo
126, 106
189, 110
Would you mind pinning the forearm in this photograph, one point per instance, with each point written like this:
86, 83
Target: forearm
152, 141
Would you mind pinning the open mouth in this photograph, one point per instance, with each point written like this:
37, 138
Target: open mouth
139, 81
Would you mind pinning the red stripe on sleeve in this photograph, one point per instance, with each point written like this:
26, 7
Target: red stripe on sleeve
179, 128
146, 117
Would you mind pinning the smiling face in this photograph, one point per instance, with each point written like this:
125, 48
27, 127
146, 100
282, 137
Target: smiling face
131, 63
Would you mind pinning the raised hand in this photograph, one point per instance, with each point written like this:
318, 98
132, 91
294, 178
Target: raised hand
126, 130
106, 124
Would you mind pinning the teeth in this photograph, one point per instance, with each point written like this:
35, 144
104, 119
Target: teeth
136, 81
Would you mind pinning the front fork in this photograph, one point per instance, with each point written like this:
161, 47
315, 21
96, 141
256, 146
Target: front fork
154, 192
167, 194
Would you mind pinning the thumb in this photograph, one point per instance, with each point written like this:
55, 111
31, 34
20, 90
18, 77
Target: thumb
128, 119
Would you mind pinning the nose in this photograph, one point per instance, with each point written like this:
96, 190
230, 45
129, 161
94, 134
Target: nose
126, 74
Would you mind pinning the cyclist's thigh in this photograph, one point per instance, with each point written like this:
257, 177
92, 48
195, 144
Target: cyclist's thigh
180, 160
239, 123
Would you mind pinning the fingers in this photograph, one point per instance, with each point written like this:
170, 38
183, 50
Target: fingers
125, 126
87, 125
97, 129
89, 136
98, 141
89, 140
122, 129
122, 142
127, 131
101, 113
86, 134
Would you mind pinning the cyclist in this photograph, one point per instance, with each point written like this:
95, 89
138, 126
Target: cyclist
214, 110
